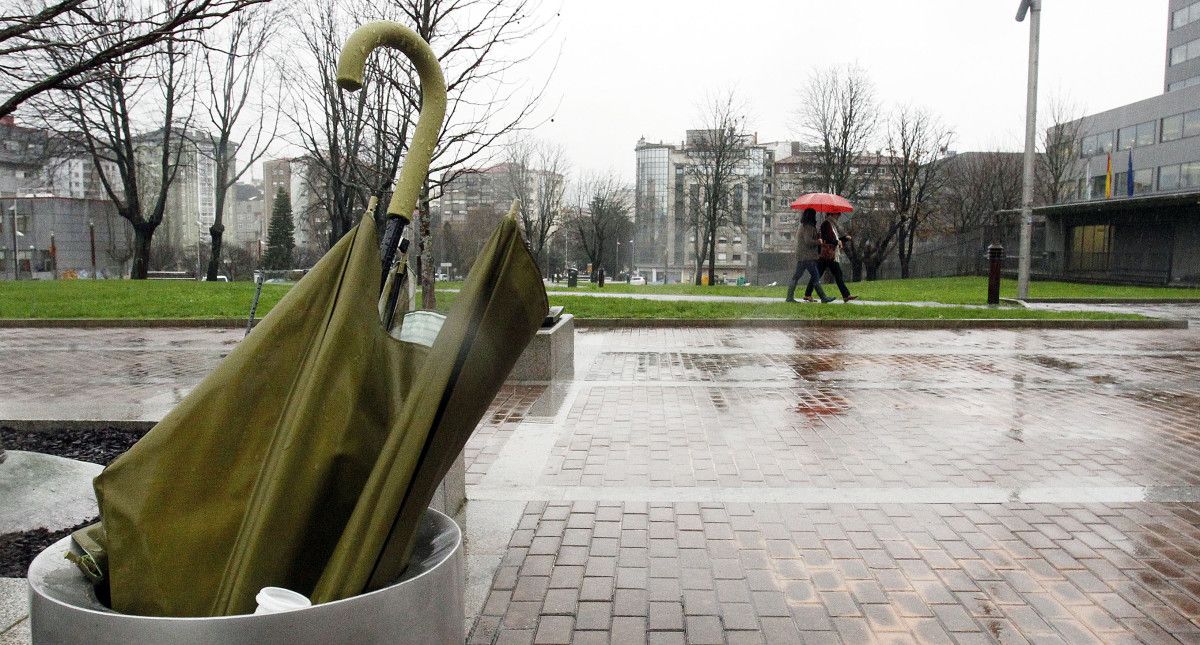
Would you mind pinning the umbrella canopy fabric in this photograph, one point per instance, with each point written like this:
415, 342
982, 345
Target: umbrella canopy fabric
315, 436
823, 203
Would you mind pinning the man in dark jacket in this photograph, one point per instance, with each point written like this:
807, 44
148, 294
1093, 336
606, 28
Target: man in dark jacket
831, 241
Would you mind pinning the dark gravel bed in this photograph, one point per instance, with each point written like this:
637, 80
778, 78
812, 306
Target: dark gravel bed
102, 446
99, 446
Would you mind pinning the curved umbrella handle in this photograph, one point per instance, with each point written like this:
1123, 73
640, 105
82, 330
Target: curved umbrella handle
351, 62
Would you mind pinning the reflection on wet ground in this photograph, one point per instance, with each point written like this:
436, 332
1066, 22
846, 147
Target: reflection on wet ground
826, 486
725, 485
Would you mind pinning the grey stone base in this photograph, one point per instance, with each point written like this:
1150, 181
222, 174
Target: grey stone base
550, 355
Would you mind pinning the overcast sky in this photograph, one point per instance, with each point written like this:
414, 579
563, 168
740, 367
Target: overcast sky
640, 68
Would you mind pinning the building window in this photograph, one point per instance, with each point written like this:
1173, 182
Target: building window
1172, 128
1096, 144
1143, 181
1185, 52
1132, 136
736, 257
1090, 248
720, 256
1168, 178
1185, 16
1187, 82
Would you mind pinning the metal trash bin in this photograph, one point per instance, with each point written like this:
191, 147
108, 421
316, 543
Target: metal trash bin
573, 278
424, 606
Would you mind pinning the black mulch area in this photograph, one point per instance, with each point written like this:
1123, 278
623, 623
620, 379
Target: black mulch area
102, 446
99, 446
17, 550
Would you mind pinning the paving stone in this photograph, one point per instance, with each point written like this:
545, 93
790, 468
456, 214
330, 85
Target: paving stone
700, 471
703, 630
554, 630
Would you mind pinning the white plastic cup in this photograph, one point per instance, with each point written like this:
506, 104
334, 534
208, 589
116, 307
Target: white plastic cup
275, 600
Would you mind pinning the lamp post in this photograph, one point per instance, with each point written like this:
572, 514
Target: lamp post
92, 241
199, 231
13, 209
632, 257
1034, 7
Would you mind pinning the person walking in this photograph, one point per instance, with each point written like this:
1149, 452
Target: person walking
808, 245
827, 260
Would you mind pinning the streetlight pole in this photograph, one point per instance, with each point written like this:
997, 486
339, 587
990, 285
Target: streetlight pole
92, 242
199, 229
1034, 7
633, 256
13, 209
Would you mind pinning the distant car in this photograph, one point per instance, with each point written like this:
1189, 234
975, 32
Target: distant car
441, 277
638, 280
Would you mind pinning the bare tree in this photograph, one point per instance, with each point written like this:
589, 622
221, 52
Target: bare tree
600, 217
480, 45
63, 44
717, 155
353, 142
1060, 150
918, 142
977, 185
838, 118
241, 125
103, 118
535, 174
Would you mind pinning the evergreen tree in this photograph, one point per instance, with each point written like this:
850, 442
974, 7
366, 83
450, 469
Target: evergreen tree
280, 242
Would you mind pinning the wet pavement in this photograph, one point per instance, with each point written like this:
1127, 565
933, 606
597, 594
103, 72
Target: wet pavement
741, 486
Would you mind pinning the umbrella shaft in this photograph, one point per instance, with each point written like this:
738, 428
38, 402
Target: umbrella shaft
392, 232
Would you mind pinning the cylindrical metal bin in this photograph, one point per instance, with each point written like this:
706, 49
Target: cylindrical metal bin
425, 606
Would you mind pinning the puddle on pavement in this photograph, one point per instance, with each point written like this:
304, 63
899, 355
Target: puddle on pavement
821, 403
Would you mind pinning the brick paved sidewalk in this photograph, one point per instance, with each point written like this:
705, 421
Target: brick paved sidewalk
730, 486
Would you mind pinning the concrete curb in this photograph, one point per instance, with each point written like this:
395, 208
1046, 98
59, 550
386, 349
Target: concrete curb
1113, 301
123, 323
888, 323
604, 323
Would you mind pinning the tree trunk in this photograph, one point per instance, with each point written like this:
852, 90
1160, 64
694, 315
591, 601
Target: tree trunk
217, 231
856, 271
712, 257
425, 260
141, 251
872, 270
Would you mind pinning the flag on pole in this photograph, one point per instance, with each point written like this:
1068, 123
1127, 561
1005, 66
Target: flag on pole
1108, 179
1129, 174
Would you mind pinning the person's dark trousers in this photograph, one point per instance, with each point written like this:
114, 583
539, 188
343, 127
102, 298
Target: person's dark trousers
833, 267
813, 272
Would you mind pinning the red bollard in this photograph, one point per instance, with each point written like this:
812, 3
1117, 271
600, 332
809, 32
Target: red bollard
995, 265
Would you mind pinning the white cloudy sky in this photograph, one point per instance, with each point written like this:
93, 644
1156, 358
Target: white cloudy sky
629, 68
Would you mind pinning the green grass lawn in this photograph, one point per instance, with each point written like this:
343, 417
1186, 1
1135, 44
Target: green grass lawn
129, 299
957, 291
132, 299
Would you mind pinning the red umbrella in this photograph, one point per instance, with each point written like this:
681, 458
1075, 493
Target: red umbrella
823, 203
